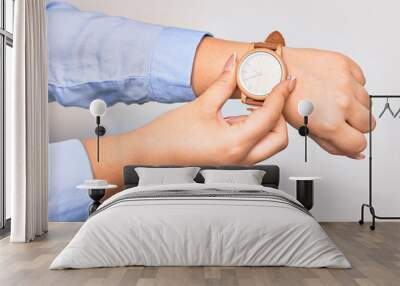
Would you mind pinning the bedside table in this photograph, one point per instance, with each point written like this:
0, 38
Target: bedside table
96, 193
305, 190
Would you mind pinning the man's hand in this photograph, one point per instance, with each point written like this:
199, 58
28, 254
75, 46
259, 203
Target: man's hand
335, 85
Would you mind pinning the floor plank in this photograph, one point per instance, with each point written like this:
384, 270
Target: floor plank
375, 257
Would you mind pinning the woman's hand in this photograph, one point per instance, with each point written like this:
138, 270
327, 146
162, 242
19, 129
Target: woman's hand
196, 133
335, 85
332, 81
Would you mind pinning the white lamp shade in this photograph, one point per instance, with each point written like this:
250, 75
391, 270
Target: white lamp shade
305, 107
98, 107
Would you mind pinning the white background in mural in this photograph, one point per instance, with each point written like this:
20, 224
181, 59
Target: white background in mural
362, 29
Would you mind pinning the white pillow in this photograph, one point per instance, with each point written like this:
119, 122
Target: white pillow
248, 177
165, 176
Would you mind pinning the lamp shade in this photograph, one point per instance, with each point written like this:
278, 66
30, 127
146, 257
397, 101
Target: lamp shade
305, 107
98, 107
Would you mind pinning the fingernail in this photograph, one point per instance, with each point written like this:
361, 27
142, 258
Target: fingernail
292, 82
360, 156
251, 109
230, 62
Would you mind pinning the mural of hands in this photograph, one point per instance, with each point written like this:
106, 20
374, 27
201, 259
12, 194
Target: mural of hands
191, 61
173, 65
197, 134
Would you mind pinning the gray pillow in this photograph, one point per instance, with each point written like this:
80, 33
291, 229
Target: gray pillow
248, 177
165, 176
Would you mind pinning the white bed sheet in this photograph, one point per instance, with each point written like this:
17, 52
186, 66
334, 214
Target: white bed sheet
200, 231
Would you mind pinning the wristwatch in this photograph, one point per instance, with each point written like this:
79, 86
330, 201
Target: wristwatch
261, 68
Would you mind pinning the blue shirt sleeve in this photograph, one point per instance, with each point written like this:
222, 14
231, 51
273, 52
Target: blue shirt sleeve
92, 55
69, 166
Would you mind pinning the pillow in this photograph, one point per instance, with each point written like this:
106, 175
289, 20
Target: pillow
248, 177
165, 176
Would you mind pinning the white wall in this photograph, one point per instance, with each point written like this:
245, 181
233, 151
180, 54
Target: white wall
363, 29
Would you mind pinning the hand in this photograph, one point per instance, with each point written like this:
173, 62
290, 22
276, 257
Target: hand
335, 86
196, 133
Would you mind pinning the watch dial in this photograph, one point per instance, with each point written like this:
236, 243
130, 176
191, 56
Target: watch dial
259, 72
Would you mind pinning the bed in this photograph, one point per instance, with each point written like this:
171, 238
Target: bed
201, 224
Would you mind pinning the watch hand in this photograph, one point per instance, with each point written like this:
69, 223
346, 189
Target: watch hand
253, 76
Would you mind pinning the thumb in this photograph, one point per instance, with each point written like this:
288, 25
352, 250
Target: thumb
264, 118
223, 87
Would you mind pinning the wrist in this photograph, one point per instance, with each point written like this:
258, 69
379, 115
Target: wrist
116, 151
210, 59
287, 54
290, 109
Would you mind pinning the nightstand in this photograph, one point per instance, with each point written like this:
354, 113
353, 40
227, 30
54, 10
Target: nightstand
96, 192
305, 190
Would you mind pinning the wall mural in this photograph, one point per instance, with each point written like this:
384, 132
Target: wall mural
111, 59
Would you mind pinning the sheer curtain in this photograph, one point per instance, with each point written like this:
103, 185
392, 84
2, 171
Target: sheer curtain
26, 123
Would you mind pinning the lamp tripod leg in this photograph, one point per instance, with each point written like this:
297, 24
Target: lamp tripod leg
98, 137
305, 146
98, 143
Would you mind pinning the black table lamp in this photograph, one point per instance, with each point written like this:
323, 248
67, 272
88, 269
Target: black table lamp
305, 108
98, 109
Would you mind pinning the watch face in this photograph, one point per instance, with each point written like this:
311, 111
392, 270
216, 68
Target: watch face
259, 72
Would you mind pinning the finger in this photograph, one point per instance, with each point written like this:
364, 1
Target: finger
357, 72
358, 117
274, 142
362, 95
360, 156
347, 140
235, 119
221, 90
327, 146
251, 109
262, 120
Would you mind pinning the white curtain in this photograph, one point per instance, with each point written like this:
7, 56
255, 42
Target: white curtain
26, 123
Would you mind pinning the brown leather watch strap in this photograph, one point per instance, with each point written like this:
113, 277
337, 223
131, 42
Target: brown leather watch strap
252, 101
276, 37
264, 45
272, 42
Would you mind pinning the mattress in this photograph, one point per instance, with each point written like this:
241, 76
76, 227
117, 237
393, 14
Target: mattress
201, 225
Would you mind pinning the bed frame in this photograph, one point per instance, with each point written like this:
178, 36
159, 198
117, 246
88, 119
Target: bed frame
270, 179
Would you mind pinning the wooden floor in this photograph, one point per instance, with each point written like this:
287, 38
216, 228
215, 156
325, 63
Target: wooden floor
375, 257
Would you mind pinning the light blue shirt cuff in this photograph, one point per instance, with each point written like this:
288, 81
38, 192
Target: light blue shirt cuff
172, 65
69, 166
